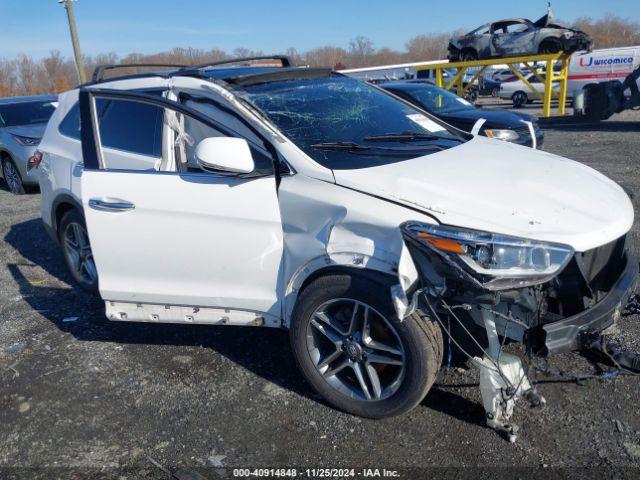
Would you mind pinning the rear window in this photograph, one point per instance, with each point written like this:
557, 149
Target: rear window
25, 113
70, 125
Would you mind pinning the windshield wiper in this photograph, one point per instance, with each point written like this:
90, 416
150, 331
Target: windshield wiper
346, 146
355, 147
403, 137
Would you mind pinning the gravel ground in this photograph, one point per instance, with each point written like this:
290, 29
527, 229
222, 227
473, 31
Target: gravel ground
96, 397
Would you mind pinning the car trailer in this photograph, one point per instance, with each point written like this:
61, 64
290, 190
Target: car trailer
529, 61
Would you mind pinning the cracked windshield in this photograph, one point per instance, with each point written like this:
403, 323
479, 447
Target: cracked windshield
345, 124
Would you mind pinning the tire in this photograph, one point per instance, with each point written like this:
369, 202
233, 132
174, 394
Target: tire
596, 103
468, 55
471, 95
324, 309
519, 98
73, 229
12, 177
550, 46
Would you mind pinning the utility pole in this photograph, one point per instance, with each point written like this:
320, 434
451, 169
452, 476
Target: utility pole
74, 39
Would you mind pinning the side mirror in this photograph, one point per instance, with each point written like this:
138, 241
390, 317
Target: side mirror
224, 155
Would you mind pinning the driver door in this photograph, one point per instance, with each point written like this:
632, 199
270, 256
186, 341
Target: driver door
167, 237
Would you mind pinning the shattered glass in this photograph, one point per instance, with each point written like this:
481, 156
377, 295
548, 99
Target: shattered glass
340, 109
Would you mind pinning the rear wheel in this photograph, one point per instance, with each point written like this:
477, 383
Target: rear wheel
12, 177
352, 348
76, 249
519, 99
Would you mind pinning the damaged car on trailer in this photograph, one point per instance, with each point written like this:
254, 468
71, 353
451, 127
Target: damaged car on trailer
299, 198
518, 36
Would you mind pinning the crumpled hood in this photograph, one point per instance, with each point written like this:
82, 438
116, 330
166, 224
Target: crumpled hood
504, 188
31, 131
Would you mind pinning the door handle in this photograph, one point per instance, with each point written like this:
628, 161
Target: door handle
111, 206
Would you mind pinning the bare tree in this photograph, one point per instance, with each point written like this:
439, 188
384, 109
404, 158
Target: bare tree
245, 52
294, 56
610, 31
58, 70
432, 46
56, 73
30, 76
360, 51
325, 56
7, 78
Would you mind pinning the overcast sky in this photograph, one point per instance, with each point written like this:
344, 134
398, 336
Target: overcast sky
35, 27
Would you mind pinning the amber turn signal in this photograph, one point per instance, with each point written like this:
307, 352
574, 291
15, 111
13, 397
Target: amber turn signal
442, 243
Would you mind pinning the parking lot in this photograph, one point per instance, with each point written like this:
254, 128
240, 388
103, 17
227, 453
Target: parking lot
81, 392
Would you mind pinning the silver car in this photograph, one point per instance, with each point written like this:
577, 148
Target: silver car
22, 124
519, 36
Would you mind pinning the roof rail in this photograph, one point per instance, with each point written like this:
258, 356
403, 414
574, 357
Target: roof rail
98, 73
284, 60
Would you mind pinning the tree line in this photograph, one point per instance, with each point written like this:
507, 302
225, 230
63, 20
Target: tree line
56, 73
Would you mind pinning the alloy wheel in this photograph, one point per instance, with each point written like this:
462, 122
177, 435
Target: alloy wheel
11, 176
356, 349
78, 251
519, 99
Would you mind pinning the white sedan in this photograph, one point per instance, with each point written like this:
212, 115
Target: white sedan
518, 92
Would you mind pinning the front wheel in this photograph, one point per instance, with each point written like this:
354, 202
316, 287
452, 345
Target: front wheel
12, 177
354, 351
468, 55
471, 95
519, 99
74, 239
550, 46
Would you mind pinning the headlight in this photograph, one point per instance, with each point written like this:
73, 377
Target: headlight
506, 135
496, 262
27, 141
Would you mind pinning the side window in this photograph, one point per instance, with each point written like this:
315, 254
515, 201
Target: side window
260, 153
138, 135
70, 125
519, 28
131, 127
189, 132
225, 118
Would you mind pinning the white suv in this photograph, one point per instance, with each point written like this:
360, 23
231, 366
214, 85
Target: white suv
300, 198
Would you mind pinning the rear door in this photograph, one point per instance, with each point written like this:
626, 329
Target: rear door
163, 231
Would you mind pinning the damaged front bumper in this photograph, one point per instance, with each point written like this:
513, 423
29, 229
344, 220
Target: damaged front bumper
570, 333
567, 311
560, 315
578, 42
